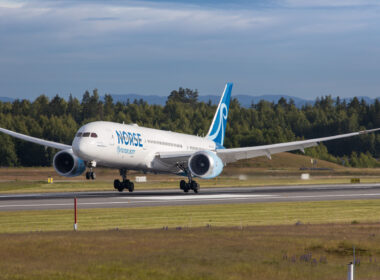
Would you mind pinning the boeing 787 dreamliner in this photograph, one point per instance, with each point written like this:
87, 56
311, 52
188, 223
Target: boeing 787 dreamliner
131, 147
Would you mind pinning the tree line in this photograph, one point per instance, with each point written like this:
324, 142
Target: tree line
57, 119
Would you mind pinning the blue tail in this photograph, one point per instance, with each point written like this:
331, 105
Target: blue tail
218, 125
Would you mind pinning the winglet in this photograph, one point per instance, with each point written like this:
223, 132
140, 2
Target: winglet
218, 125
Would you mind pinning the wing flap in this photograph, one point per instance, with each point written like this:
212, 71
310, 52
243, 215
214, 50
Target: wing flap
174, 158
35, 140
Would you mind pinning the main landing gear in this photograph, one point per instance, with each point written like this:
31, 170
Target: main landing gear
125, 184
191, 185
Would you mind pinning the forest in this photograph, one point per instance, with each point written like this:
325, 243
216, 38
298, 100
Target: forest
57, 119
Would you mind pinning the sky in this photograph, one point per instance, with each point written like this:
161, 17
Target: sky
294, 47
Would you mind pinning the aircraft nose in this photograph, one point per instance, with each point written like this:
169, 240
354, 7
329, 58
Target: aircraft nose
82, 148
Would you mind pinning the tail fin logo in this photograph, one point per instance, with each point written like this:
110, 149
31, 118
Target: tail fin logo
218, 126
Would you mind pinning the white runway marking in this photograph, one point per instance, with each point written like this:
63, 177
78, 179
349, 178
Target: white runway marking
62, 204
136, 200
331, 195
201, 197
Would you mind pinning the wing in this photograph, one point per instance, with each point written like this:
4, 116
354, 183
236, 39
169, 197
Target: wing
36, 140
235, 154
171, 160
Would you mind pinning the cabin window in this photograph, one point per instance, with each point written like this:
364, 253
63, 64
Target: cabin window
164, 143
86, 134
79, 134
94, 135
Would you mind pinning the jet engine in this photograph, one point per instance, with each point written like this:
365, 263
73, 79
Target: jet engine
205, 164
67, 164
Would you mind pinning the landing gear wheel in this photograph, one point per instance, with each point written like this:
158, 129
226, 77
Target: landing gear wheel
116, 184
194, 186
88, 175
125, 183
92, 175
131, 187
182, 185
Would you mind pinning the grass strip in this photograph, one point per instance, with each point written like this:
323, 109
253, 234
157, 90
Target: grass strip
280, 213
259, 252
69, 186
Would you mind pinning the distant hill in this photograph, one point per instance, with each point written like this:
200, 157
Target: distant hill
244, 100
6, 99
280, 160
151, 99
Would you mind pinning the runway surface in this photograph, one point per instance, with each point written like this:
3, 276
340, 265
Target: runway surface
113, 199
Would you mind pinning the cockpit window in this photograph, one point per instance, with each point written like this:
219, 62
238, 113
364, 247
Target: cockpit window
79, 134
94, 135
86, 134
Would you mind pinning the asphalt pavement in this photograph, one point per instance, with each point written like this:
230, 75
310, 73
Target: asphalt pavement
144, 198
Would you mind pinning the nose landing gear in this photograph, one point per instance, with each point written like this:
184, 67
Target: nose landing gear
125, 183
91, 174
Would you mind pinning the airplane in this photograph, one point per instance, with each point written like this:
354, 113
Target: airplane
132, 147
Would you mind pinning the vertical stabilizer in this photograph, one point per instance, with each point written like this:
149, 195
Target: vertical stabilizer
218, 125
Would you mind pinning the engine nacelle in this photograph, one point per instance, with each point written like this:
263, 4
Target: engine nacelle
205, 164
67, 164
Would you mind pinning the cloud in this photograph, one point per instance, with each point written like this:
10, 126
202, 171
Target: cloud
10, 4
100, 18
122, 44
329, 3
65, 21
93, 18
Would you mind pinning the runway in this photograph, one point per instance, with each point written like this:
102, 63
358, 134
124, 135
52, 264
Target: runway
151, 198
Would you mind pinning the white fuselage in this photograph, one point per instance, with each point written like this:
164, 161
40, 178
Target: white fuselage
133, 147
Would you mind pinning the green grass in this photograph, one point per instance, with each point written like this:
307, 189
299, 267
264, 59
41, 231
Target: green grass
279, 213
285, 240
260, 252
283, 169
170, 183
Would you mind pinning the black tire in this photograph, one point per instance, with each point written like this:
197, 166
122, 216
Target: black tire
116, 184
88, 175
120, 189
93, 175
187, 188
182, 184
194, 186
131, 187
